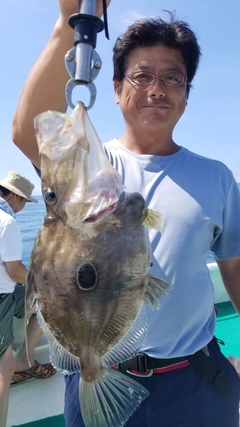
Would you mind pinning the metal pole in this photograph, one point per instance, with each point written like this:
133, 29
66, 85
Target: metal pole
88, 7
84, 51
86, 26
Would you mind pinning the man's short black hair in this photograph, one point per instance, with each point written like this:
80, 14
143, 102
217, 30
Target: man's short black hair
4, 192
153, 32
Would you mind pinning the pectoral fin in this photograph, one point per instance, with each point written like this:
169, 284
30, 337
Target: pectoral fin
155, 290
154, 220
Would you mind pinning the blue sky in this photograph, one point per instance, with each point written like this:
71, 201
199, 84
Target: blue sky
210, 125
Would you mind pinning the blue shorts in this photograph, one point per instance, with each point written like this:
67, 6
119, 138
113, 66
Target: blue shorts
179, 398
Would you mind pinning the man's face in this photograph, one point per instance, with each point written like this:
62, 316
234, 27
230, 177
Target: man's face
16, 202
153, 107
21, 203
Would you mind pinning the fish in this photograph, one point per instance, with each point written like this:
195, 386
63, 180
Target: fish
89, 270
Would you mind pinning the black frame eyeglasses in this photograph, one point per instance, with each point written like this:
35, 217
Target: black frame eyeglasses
143, 78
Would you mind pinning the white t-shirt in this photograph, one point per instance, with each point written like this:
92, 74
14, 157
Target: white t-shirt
200, 202
10, 249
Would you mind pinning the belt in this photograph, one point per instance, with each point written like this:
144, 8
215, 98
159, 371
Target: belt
145, 366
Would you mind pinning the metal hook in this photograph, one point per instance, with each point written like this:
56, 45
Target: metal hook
71, 84
82, 62
76, 75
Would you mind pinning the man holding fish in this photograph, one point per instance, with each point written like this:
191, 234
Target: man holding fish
190, 382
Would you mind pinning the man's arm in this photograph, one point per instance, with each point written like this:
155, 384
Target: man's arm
44, 88
17, 271
230, 272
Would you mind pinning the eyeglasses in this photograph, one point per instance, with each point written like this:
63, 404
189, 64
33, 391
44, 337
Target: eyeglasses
145, 79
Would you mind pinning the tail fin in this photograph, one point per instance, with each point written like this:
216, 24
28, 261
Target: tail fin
111, 400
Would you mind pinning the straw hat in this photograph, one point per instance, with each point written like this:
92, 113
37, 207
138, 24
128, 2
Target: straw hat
19, 185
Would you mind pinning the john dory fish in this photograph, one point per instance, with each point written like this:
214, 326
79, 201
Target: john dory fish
89, 268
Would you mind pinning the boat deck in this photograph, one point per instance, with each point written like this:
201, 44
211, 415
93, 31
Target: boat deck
228, 330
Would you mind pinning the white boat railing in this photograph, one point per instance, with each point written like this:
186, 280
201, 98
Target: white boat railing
221, 294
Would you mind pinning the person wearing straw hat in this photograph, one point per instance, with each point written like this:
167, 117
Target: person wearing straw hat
19, 186
15, 191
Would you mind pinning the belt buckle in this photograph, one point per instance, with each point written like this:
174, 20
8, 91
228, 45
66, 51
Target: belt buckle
141, 374
141, 367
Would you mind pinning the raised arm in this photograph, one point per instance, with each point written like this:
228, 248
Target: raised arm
44, 88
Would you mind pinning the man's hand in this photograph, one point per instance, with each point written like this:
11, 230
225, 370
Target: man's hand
69, 7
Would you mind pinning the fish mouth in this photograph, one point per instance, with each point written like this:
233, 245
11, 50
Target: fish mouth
105, 212
101, 214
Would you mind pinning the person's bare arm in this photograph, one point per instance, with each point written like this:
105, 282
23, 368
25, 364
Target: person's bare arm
17, 271
44, 88
230, 272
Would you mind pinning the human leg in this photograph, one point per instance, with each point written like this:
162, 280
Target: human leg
7, 366
34, 333
26, 366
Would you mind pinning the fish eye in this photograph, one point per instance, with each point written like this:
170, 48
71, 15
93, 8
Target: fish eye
50, 196
87, 277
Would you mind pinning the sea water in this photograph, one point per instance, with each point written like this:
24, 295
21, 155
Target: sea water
30, 220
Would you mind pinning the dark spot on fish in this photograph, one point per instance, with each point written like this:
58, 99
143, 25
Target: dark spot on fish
151, 264
50, 196
87, 277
